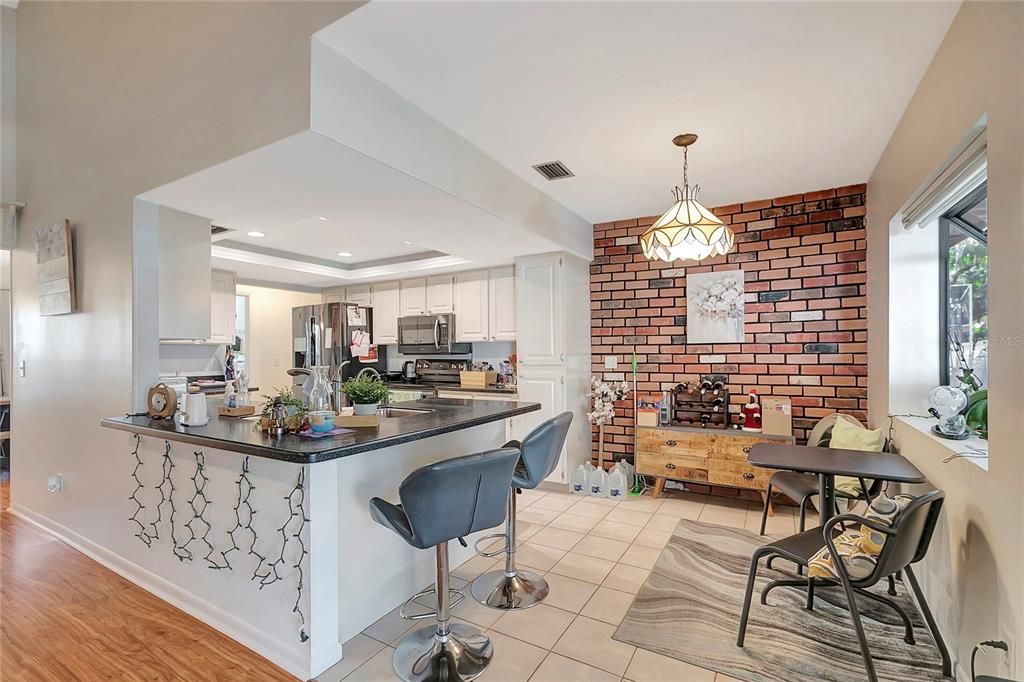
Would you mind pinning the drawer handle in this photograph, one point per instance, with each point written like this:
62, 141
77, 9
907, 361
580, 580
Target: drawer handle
746, 449
749, 476
670, 465
671, 443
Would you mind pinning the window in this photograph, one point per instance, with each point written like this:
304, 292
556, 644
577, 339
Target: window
963, 285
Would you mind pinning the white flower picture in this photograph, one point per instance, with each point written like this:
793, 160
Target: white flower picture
714, 307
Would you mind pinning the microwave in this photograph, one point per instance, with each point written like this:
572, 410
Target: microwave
430, 335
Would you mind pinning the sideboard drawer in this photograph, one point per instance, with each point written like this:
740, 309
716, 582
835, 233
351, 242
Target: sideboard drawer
690, 466
673, 442
734, 448
738, 474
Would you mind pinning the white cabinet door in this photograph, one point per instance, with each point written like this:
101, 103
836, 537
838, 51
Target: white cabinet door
471, 323
440, 294
544, 385
222, 307
333, 295
184, 276
386, 311
502, 304
358, 294
539, 310
414, 296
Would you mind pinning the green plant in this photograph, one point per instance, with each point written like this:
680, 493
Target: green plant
365, 390
977, 413
294, 407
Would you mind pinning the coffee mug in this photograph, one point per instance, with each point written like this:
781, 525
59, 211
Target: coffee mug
193, 409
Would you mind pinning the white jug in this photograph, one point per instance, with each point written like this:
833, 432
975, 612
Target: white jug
193, 409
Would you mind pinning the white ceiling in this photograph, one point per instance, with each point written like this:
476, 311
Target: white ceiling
786, 97
371, 208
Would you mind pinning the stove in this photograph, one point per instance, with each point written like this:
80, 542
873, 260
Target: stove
441, 372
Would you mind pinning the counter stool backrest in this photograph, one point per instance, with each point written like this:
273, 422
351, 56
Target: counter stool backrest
541, 449
456, 497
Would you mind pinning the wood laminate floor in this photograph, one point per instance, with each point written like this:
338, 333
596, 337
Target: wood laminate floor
66, 618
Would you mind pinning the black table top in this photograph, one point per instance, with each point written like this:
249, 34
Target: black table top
239, 435
885, 466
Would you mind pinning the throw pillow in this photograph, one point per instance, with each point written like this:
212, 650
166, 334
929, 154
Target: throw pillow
849, 436
859, 549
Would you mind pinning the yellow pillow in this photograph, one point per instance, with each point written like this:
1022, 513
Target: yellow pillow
849, 436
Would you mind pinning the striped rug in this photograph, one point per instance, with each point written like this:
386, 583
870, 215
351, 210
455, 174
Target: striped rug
690, 607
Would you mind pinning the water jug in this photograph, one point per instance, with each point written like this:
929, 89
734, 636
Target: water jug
580, 480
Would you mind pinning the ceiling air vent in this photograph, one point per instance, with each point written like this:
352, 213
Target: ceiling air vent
217, 229
554, 170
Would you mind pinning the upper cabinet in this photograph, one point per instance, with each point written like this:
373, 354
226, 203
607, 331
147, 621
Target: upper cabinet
414, 296
358, 294
539, 317
222, 307
471, 306
386, 311
184, 277
440, 295
502, 304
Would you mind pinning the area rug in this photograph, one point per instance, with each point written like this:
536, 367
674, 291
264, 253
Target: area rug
690, 606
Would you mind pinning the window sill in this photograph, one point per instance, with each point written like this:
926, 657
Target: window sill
953, 446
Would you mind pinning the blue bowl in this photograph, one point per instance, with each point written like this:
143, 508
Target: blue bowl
322, 421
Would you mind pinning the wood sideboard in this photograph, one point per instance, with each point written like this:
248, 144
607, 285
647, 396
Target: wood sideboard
706, 456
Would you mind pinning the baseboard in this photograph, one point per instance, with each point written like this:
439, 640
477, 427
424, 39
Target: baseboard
217, 618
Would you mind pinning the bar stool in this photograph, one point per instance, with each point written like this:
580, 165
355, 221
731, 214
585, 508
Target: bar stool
441, 502
511, 588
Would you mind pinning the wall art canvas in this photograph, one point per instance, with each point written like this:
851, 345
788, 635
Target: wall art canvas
56, 273
714, 307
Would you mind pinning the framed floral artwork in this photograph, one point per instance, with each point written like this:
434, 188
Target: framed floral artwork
714, 307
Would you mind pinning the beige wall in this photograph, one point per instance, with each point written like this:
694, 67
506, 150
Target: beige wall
269, 354
974, 572
115, 99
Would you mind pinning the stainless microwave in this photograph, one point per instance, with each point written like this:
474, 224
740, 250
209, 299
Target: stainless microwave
430, 335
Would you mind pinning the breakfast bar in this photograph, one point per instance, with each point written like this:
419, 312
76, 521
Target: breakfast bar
289, 513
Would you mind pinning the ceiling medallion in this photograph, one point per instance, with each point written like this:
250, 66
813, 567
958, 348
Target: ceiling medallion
687, 230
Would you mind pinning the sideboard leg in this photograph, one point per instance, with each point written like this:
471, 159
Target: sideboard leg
768, 502
659, 486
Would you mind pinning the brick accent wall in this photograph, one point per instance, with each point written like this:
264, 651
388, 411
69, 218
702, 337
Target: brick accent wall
805, 268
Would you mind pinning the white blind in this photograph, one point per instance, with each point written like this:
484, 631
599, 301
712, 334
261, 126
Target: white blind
947, 186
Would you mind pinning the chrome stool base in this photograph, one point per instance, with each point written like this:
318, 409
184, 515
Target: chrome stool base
500, 591
425, 655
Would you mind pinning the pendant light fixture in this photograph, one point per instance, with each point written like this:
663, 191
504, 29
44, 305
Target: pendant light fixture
687, 230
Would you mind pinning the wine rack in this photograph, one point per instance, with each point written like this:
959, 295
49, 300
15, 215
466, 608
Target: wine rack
703, 404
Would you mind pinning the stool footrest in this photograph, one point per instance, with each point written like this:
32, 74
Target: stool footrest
459, 595
490, 553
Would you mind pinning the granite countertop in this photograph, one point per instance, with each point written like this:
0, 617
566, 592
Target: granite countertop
239, 435
456, 388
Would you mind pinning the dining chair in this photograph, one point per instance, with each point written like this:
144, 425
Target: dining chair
801, 487
905, 542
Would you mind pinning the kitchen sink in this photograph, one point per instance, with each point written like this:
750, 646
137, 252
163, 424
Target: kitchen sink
397, 412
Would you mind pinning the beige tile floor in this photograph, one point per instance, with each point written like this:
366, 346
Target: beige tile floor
595, 555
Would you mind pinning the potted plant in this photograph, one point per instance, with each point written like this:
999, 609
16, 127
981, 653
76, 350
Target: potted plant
294, 407
366, 393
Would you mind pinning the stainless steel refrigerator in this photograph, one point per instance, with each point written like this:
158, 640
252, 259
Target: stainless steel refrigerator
322, 336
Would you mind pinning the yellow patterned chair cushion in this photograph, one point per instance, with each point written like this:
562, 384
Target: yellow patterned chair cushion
859, 548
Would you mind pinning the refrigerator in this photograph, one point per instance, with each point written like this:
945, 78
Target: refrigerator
322, 336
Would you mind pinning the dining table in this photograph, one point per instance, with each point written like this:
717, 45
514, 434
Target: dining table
827, 463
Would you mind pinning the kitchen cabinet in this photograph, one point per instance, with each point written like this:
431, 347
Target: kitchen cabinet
471, 302
222, 307
386, 311
544, 385
413, 296
184, 276
539, 314
501, 304
440, 294
358, 294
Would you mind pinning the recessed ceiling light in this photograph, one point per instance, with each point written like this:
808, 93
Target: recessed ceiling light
256, 233
344, 254
407, 243
320, 217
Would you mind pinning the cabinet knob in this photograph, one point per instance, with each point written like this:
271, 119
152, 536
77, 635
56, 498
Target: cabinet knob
749, 476
747, 449
670, 465
671, 443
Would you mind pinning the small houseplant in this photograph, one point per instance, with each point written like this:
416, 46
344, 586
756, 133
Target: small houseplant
366, 393
294, 407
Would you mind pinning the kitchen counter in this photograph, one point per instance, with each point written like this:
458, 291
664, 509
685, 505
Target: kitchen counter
488, 389
239, 435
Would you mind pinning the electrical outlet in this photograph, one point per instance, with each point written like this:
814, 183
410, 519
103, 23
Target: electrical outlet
55, 483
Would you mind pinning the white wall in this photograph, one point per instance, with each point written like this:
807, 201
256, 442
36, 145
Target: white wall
269, 337
973, 573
